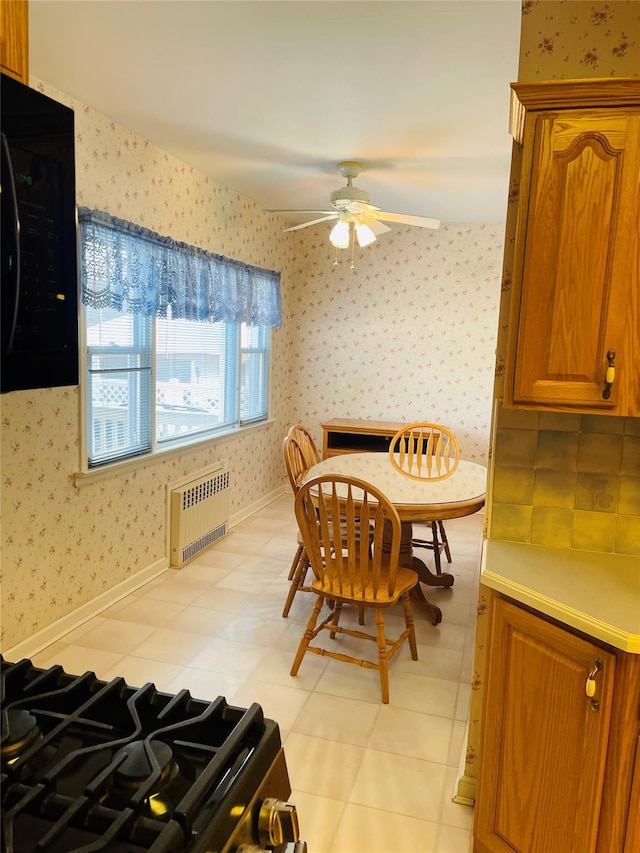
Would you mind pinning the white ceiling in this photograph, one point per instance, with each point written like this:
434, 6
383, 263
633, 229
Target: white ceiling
267, 96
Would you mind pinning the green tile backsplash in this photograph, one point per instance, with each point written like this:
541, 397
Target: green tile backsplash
511, 522
601, 425
597, 492
551, 527
631, 454
602, 453
629, 499
516, 447
627, 539
592, 531
554, 488
557, 449
515, 485
567, 481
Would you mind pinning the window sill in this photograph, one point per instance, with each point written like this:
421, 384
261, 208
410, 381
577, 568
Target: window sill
116, 469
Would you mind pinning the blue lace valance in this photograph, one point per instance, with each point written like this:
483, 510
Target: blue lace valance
134, 270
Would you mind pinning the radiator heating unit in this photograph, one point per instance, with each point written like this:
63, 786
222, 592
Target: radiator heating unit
199, 515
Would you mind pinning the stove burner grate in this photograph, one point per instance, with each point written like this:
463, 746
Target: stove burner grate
19, 731
90, 765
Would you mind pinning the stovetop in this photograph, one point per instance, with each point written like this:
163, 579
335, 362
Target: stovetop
90, 765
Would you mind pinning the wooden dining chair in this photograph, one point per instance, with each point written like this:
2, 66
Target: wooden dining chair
302, 436
300, 453
427, 451
331, 509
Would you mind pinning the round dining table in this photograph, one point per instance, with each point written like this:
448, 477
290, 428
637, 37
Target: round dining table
460, 494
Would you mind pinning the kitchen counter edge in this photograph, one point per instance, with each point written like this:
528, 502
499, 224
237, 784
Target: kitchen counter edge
598, 594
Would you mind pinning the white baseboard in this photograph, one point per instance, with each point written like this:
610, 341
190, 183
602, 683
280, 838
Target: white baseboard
30, 647
256, 506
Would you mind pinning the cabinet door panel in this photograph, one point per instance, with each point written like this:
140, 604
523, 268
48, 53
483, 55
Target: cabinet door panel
544, 747
632, 841
14, 39
577, 187
574, 335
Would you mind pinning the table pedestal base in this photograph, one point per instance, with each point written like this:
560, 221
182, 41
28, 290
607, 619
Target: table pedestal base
425, 575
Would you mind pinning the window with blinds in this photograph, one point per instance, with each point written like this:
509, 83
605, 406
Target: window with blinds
178, 339
119, 384
152, 381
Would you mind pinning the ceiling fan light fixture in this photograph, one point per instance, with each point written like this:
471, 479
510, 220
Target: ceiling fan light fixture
364, 234
340, 234
356, 219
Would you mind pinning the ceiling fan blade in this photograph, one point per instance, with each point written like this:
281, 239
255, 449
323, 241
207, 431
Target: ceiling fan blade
312, 222
406, 219
376, 226
361, 207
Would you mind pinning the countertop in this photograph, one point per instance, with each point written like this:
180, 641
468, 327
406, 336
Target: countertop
598, 594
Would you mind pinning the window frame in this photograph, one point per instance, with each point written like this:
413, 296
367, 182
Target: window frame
263, 349
234, 352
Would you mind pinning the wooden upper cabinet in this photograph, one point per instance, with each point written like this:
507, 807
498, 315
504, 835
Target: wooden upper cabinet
576, 303
14, 39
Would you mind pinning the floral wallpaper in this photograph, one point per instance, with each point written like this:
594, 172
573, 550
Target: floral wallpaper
560, 39
408, 335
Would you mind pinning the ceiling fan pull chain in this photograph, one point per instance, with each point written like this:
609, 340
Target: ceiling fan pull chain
353, 247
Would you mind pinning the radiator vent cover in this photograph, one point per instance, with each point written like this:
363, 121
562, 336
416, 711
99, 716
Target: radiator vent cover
199, 515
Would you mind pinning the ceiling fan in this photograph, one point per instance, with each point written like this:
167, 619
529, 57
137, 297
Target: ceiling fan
353, 213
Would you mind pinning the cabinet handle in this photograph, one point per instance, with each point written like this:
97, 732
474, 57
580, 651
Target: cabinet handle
610, 375
590, 686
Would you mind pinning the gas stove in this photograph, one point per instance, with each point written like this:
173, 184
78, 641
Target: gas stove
90, 765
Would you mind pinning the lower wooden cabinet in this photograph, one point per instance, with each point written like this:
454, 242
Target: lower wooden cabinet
559, 743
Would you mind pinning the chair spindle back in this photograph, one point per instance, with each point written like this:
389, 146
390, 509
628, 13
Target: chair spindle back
424, 451
331, 510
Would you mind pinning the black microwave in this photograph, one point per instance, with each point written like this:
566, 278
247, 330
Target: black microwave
39, 278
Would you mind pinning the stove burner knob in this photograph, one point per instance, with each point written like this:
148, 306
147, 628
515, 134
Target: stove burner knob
277, 823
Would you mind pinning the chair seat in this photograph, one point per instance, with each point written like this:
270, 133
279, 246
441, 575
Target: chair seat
406, 579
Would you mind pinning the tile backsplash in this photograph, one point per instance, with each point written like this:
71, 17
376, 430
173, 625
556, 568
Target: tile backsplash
567, 481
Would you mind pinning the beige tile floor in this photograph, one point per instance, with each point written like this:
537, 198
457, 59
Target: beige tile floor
366, 777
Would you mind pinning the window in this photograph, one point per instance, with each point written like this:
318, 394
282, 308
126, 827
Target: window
154, 378
119, 384
254, 373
